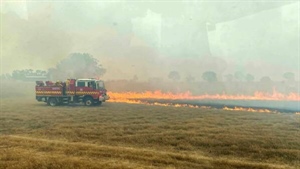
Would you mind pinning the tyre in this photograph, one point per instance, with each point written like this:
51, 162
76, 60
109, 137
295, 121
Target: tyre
88, 101
98, 103
52, 102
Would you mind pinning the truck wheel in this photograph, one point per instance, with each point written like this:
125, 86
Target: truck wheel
52, 102
98, 103
88, 101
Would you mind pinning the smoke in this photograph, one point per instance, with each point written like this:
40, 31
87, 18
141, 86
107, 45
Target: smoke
146, 41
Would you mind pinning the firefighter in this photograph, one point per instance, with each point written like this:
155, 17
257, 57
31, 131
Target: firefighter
64, 85
58, 83
68, 82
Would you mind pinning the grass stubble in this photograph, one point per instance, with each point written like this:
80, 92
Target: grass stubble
119, 135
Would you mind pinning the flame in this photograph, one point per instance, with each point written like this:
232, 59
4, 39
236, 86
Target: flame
137, 98
195, 106
158, 104
115, 96
250, 109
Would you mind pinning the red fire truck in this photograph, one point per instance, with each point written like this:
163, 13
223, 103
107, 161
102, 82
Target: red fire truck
87, 91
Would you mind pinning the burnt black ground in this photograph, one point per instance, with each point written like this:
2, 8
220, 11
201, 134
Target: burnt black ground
273, 105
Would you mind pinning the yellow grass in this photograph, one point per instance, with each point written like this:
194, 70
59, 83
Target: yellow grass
116, 135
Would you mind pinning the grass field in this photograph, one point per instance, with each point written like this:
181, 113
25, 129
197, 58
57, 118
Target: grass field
117, 135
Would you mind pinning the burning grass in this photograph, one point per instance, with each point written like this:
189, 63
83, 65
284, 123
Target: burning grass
118, 96
119, 135
259, 102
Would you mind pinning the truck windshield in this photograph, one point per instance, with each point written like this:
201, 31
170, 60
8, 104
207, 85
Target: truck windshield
100, 85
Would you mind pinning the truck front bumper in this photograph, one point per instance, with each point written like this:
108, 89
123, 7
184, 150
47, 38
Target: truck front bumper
103, 98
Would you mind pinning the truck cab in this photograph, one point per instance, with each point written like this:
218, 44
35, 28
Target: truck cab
92, 87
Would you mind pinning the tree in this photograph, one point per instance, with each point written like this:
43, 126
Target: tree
19, 74
174, 75
77, 65
38, 72
266, 80
29, 72
249, 78
43, 72
289, 76
239, 75
209, 76
266, 84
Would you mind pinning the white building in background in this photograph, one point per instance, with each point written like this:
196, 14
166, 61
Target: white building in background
148, 28
18, 7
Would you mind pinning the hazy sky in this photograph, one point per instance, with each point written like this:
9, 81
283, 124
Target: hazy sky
150, 39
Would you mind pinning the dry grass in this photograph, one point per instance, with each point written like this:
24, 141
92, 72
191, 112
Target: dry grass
115, 135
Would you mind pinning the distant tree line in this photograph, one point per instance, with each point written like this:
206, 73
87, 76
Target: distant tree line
211, 76
26, 74
76, 65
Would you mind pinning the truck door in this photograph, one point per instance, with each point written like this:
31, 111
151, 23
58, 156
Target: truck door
85, 88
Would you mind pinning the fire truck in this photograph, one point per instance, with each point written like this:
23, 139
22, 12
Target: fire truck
87, 91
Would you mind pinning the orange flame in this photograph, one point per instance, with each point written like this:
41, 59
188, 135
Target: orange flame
136, 98
158, 104
114, 96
